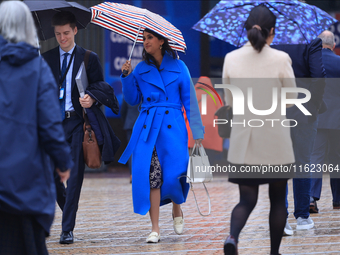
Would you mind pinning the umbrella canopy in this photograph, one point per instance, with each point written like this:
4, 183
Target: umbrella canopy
296, 23
130, 22
43, 12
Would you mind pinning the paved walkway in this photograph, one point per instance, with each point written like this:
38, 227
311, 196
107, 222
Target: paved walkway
106, 224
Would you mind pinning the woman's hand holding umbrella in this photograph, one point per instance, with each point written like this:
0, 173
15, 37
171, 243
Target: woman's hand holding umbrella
126, 68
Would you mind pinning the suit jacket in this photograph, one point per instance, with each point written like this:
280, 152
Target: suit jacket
331, 118
269, 144
94, 71
307, 63
98, 89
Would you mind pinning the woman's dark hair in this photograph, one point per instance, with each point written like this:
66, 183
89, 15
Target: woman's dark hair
259, 23
149, 59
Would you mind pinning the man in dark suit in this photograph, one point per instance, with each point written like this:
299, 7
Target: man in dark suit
327, 140
68, 54
309, 73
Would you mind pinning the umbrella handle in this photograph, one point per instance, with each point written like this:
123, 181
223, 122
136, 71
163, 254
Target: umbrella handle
125, 72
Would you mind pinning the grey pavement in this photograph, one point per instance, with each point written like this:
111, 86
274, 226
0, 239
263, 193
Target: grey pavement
106, 223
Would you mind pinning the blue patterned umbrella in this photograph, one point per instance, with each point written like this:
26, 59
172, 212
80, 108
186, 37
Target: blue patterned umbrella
296, 23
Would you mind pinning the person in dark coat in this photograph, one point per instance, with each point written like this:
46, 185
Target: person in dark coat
310, 74
327, 142
31, 136
98, 92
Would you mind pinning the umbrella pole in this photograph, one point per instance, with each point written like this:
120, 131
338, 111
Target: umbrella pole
134, 43
125, 72
38, 45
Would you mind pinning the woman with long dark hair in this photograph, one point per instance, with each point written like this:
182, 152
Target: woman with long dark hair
263, 69
159, 141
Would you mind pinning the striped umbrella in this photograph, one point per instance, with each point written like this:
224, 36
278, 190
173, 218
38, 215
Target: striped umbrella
130, 21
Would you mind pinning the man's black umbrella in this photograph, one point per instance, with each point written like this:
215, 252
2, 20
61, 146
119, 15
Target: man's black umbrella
43, 12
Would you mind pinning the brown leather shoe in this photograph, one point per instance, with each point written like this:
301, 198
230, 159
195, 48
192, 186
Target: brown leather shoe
230, 246
336, 205
313, 208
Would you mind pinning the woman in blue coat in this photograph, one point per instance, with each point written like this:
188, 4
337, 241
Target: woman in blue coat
159, 141
31, 136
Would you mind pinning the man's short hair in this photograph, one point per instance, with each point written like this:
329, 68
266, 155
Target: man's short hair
327, 38
63, 18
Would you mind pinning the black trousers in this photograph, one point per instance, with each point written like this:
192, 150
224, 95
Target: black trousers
21, 235
68, 198
327, 144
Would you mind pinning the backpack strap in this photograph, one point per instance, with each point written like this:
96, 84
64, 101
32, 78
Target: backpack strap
86, 58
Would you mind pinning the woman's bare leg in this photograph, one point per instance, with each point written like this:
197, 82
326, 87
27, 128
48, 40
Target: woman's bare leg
155, 198
176, 210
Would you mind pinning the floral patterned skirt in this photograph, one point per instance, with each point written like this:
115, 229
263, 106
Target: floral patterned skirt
155, 171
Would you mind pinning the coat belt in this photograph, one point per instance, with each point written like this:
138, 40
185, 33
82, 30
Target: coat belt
147, 120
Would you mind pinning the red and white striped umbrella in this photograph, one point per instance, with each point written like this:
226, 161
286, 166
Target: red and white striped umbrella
130, 21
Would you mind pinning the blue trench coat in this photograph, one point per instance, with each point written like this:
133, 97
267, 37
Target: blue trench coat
161, 125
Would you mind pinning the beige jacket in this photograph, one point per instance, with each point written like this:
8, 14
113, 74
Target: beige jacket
270, 143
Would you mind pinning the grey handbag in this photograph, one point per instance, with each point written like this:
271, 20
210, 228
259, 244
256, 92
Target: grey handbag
198, 171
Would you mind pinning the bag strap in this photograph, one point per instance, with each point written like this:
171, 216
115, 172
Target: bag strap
198, 150
202, 151
87, 127
86, 63
195, 150
198, 209
86, 119
206, 191
86, 58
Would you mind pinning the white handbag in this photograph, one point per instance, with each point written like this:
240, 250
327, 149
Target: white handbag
198, 171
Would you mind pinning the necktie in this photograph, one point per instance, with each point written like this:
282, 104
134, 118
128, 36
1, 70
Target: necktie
63, 86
